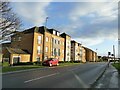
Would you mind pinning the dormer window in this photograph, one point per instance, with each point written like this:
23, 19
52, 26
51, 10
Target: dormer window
19, 38
58, 33
54, 32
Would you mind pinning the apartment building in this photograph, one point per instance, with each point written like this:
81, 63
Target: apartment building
30, 40
57, 44
75, 51
93, 56
83, 55
41, 43
67, 46
89, 56
80, 52
96, 57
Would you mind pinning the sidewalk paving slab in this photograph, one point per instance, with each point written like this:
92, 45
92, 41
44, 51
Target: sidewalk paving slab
110, 79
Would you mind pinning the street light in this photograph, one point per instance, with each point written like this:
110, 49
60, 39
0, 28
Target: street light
114, 52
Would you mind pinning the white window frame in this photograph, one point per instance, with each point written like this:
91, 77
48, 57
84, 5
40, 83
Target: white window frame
38, 49
58, 34
47, 39
39, 39
46, 49
54, 32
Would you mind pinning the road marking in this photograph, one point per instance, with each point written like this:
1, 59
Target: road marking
40, 77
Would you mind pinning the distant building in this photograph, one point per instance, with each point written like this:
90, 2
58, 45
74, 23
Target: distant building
94, 56
80, 52
67, 46
83, 55
89, 56
76, 51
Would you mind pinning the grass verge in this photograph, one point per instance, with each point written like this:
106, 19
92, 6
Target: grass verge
117, 66
16, 68
68, 64
7, 68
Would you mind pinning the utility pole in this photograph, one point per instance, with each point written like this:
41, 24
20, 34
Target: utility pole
114, 52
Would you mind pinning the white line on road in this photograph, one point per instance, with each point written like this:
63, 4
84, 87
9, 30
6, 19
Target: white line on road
40, 78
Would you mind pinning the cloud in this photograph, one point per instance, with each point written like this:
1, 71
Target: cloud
100, 9
63, 0
97, 22
89, 41
33, 12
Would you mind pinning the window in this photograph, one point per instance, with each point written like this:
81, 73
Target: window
39, 39
58, 52
58, 33
52, 40
54, 32
55, 41
63, 51
46, 39
46, 49
13, 39
38, 49
58, 42
19, 38
53, 52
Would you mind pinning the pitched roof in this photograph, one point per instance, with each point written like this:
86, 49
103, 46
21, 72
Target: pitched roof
16, 51
64, 34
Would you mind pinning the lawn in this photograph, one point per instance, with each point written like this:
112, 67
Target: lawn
68, 64
7, 68
117, 66
16, 68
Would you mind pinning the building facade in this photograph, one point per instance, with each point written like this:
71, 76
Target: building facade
83, 55
57, 45
67, 46
76, 51
89, 56
31, 41
41, 43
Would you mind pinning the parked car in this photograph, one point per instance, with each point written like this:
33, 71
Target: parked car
50, 62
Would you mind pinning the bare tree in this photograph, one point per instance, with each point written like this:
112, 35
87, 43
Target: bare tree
9, 22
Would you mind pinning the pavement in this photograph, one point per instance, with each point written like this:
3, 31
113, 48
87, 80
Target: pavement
109, 79
76, 76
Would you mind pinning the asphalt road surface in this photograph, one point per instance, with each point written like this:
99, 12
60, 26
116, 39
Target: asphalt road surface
75, 76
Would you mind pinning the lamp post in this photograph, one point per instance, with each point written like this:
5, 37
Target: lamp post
114, 52
109, 53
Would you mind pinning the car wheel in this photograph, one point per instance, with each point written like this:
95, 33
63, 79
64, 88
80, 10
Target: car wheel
57, 64
50, 64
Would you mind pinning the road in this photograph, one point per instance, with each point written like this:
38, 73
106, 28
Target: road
75, 76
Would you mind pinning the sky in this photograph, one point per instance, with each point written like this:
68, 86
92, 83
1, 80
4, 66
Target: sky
94, 24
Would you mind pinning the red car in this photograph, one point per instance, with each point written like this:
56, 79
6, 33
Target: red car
50, 62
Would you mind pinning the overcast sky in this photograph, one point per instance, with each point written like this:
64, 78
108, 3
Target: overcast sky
94, 24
